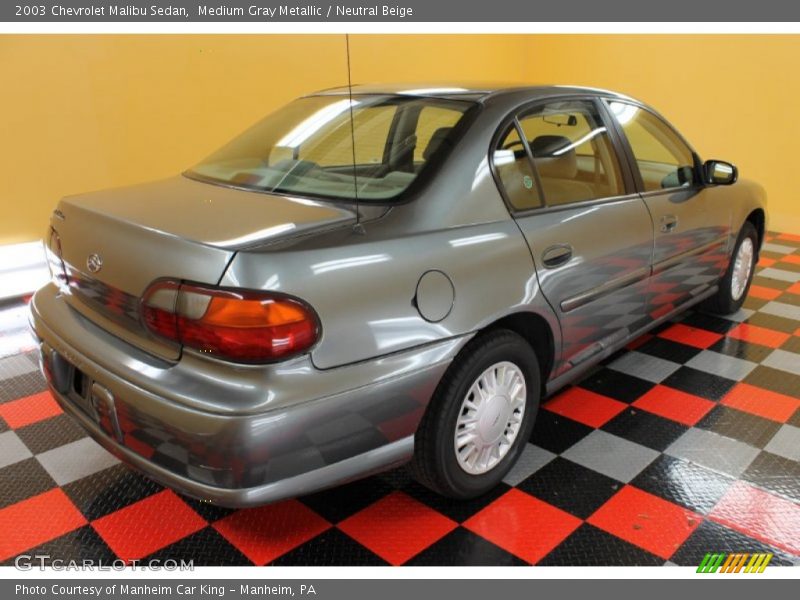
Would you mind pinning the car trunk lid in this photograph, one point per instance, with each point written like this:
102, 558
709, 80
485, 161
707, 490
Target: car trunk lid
115, 243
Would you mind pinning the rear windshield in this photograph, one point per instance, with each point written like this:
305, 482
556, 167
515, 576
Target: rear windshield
310, 147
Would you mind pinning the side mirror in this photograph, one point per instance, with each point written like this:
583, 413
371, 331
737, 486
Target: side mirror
719, 172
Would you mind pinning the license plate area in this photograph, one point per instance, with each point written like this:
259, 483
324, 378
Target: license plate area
92, 398
81, 391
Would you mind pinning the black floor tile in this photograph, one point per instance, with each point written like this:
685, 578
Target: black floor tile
330, 549
750, 429
50, 433
23, 480
776, 474
589, 546
773, 322
699, 383
556, 433
571, 487
684, 483
463, 548
645, 428
669, 350
21, 386
617, 385
774, 380
741, 349
709, 322
210, 512
458, 511
336, 504
203, 548
775, 284
109, 490
793, 344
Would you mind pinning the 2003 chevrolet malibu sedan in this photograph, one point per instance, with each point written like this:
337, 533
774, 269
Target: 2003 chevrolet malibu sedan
380, 275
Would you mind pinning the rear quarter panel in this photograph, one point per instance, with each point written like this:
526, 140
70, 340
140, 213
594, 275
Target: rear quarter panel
363, 286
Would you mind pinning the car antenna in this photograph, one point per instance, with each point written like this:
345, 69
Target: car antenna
358, 228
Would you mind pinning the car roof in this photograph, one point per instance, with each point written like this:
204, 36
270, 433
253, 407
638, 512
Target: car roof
466, 90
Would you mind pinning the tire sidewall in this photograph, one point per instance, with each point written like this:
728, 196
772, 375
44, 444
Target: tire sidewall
513, 349
748, 231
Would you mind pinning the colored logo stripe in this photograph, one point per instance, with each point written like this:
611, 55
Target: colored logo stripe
733, 563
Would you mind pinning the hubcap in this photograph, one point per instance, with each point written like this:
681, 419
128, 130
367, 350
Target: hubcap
490, 418
742, 266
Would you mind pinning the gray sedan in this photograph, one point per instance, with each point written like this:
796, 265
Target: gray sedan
378, 276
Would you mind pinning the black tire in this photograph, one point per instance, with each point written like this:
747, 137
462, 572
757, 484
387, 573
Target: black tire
723, 302
435, 464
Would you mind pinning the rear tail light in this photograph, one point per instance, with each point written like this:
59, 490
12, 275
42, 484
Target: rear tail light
238, 325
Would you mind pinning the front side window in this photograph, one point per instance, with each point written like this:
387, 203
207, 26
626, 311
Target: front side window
311, 147
572, 152
663, 158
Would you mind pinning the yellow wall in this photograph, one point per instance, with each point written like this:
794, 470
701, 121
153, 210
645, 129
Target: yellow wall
734, 97
79, 113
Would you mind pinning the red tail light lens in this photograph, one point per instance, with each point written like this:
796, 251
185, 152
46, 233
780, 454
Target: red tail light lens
244, 326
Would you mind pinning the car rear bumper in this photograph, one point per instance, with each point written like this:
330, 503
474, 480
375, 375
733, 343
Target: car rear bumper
236, 436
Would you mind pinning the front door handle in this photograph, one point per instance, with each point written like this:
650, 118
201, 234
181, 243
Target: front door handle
668, 223
557, 255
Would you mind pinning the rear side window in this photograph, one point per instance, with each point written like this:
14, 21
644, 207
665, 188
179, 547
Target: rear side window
572, 152
515, 171
662, 157
433, 125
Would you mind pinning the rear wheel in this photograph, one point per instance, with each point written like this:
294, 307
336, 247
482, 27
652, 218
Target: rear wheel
480, 417
735, 284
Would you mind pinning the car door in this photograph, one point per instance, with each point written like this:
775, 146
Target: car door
588, 230
691, 222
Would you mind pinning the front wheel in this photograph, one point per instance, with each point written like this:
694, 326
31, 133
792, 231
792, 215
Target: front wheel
735, 284
480, 417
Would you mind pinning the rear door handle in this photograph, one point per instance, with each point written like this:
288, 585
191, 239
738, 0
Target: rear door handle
556, 255
668, 223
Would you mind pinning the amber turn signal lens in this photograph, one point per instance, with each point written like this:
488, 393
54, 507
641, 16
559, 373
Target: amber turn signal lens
243, 326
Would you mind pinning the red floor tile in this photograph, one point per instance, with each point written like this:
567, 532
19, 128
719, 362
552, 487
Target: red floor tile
792, 259
29, 410
263, 534
647, 521
585, 407
35, 521
794, 288
691, 336
674, 404
523, 525
148, 525
397, 527
765, 261
760, 402
760, 515
791, 237
759, 335
764, 293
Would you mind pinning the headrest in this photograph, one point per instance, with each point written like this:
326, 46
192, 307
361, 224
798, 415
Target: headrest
555, 156
439, 136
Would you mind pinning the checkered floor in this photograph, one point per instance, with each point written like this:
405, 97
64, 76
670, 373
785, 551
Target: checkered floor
687, 442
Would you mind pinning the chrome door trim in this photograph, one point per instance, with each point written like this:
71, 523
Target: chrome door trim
585, 297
